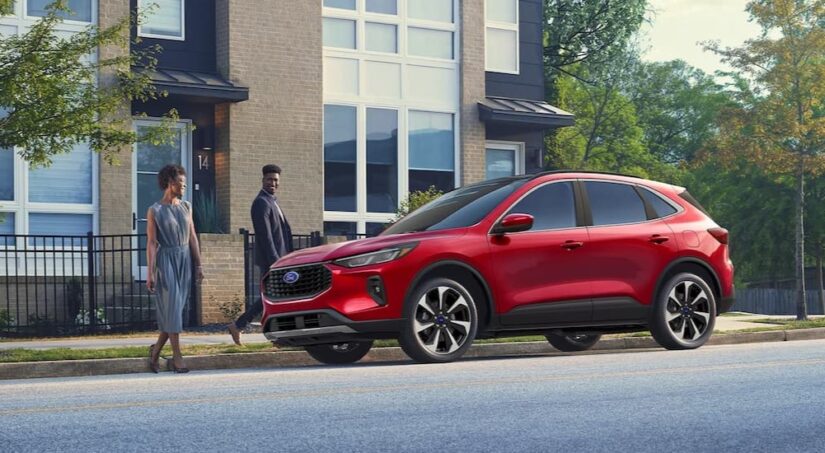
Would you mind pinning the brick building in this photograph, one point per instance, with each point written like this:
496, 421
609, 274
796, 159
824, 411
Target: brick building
359, 101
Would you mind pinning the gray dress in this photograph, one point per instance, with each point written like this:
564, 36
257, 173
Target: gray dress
173, 264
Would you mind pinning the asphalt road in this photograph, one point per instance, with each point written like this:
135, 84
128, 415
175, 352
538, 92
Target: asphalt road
763, 397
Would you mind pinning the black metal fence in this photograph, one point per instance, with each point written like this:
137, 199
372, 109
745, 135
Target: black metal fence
70, 285
252, 275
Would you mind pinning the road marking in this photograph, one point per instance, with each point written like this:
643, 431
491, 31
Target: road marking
421, 386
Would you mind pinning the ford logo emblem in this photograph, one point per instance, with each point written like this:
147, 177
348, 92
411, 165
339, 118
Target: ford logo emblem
291, 277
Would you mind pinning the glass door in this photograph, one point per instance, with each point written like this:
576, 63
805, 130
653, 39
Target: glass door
147, 161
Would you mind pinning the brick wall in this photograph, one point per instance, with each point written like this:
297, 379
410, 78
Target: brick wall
115, 180
274, 48
472, 90
222, 261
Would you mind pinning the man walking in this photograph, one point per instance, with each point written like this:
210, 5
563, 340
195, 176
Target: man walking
273, 239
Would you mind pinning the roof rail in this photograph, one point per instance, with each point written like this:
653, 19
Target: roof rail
553, 172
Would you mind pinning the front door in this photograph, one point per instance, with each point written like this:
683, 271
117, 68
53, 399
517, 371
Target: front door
147, 161
540, 274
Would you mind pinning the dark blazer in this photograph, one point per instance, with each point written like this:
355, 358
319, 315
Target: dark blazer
273, 236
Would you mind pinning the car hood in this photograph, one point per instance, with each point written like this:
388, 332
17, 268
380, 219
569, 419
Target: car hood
331, 252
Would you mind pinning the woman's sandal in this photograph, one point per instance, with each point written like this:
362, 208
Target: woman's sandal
154, 366
178, 370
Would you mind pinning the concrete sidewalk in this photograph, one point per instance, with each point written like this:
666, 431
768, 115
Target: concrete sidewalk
728, 331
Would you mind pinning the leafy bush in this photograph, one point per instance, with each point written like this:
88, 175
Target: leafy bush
415, 200
6, 320
231, 309
205, 213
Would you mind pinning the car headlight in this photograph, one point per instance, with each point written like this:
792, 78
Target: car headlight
381, 256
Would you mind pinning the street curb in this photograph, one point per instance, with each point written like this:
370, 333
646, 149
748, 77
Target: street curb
267, 360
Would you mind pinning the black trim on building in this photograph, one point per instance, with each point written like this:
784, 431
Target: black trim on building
538, 114
196, 86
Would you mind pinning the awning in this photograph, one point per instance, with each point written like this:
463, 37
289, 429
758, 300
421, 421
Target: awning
199, 86
523, 112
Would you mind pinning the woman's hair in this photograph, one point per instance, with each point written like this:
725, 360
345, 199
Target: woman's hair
169, 174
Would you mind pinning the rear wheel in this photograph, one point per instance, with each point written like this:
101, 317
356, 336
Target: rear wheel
339, 353
684, 312
571, 341
441, 321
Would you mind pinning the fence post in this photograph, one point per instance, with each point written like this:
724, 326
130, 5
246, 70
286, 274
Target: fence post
90, 263
247, 272
315, 238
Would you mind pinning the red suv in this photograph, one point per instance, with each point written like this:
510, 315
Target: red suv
568, 255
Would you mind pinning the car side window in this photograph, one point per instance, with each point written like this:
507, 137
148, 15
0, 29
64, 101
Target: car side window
551, 205
662, 207
612, 203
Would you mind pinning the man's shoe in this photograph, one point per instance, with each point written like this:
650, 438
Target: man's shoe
235, 332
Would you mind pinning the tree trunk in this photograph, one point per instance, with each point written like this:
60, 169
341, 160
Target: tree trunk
801, 308
819, 252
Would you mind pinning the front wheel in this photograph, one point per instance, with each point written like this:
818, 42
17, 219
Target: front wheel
440, 321
684, 312
572, 342
339, 353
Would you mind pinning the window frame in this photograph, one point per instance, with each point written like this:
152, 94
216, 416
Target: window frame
589, 206
577, 206
518, 149
182, 36
403, 103
504, 26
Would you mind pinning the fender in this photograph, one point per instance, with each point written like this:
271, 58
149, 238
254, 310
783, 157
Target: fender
484, 286
690, 260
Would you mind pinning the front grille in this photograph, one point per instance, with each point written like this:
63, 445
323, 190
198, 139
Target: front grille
310, 281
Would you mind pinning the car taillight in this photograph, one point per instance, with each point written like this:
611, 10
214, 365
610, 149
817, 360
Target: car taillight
720, 234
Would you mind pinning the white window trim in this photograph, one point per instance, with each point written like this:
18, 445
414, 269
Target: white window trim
78, 25
403, 105
182, 36
517, 147
506, 26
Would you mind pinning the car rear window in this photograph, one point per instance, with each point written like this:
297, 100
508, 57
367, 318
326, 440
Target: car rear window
662, 207
689, 198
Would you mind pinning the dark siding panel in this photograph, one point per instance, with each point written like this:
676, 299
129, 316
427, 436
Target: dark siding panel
529, 83
197, 52
533, 144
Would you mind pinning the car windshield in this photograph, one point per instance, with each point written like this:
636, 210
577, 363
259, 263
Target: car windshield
459, 208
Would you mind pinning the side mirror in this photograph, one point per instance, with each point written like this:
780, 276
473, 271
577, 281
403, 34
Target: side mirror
513, 223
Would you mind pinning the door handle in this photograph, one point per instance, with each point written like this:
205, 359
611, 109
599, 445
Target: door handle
658, 239
134, 221
570, 245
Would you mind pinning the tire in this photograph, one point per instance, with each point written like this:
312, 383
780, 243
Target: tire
684, 312
571, 341
440, 321
339, 353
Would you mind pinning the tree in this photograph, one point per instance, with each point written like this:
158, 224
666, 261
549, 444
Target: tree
50, 95
576, 31
677, 106
780, 125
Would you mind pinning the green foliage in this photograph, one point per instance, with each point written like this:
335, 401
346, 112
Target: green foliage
415, 200
6, 319
205, 213
590, 31
677, 108
55, 96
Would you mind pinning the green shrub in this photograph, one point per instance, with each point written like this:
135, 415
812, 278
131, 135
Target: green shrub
415, 200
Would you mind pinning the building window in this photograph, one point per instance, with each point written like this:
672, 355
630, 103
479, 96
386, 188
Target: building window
339, 33
432, 151
340, 152
391, 107
80, 10
501, 36
165, 19
504, 159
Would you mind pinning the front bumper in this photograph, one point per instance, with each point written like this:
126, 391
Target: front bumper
325, 327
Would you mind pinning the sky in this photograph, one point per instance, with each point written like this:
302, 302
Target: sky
679, 25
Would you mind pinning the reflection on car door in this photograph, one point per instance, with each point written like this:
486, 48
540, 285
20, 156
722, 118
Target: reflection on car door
540, 275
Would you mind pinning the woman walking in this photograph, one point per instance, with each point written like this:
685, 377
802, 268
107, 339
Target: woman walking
170, 249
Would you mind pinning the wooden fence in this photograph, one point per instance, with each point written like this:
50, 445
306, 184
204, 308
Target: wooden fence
774, 301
